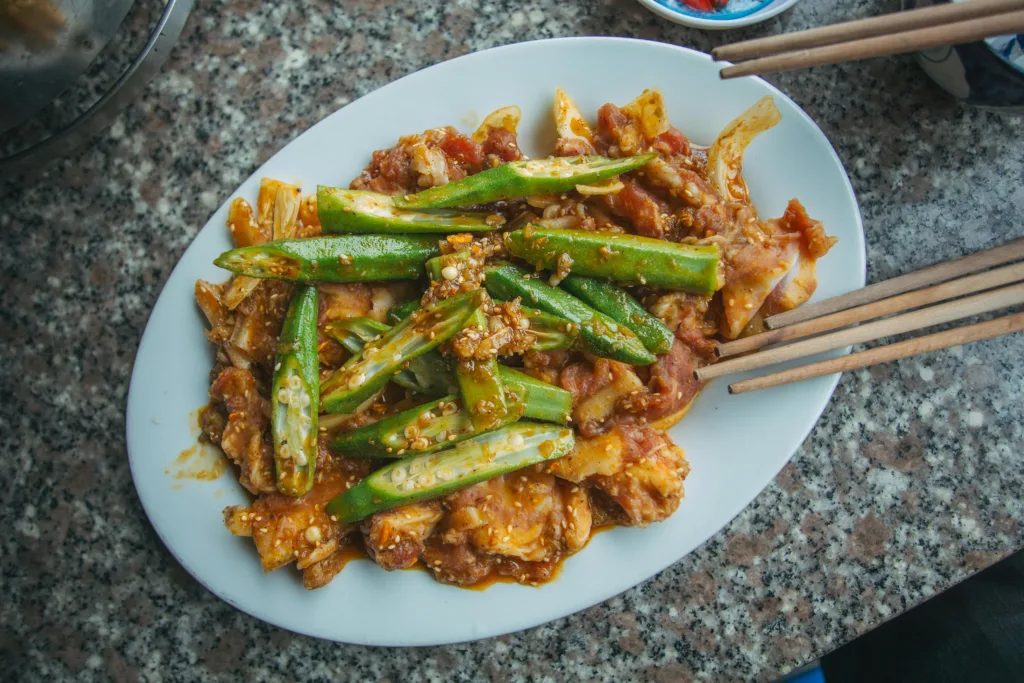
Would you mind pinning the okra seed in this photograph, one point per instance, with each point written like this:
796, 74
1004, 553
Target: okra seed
313, 534
449, 272
304, 400
516, 440
283, 396
398, 475
294, 382
357, 380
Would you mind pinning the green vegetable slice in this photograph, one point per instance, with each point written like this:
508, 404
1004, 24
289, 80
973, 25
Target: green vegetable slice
294, 399
347, 211
368, 371
620, 306
599, 334
425, 477
627, 259
480, 385
522, 179
339, 258
423, 429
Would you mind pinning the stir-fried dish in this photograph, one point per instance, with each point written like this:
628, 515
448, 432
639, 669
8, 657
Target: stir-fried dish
468, 359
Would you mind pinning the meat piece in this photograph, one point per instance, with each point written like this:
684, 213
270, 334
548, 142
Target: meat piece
245, 439
545, 365
456, 563
222, 322
619, 133
672, 142
672, 386
395, 539
343, 300
636, 466
598, 386
532, 573
319, 574
648, 490
528, 515
761, 257
816, 242
573, 147
287, 529
683, 179
259, 320
501, 145
212, 420
435, 157
691, 318
649, 216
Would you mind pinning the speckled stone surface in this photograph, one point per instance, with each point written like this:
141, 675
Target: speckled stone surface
910, 482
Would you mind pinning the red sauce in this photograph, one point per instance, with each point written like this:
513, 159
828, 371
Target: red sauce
356, 551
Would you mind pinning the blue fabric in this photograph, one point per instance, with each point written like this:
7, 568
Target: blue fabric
813, 676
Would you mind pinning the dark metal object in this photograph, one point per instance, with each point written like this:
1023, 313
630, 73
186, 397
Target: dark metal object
100, 114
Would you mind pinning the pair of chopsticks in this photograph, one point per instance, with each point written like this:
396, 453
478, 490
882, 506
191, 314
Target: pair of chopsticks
890, 34
966, 285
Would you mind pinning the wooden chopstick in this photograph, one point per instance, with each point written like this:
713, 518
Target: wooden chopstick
997, 256
863, 28
926, 317
882, 354
878, 46
897, 304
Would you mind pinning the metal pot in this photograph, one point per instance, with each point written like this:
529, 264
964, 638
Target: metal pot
47, 45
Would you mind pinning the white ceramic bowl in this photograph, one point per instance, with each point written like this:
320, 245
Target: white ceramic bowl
735, 444
676, 10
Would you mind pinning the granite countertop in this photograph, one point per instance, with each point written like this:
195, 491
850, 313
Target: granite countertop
909, 483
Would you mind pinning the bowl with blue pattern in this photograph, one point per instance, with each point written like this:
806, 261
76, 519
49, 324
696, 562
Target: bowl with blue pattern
724, 14
988, 73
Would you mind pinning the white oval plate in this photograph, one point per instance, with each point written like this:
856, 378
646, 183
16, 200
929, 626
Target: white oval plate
675, 10
736, 444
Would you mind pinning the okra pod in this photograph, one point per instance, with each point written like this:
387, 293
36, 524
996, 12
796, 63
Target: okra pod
446, 266
620, 306
369, 370
522, 179
423, 429
552, 333
339, 258
428, 374
480, 385
599, 334
627, 259
400, 312
343, 211
294, 399
445, 422
433, 475
544, 401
